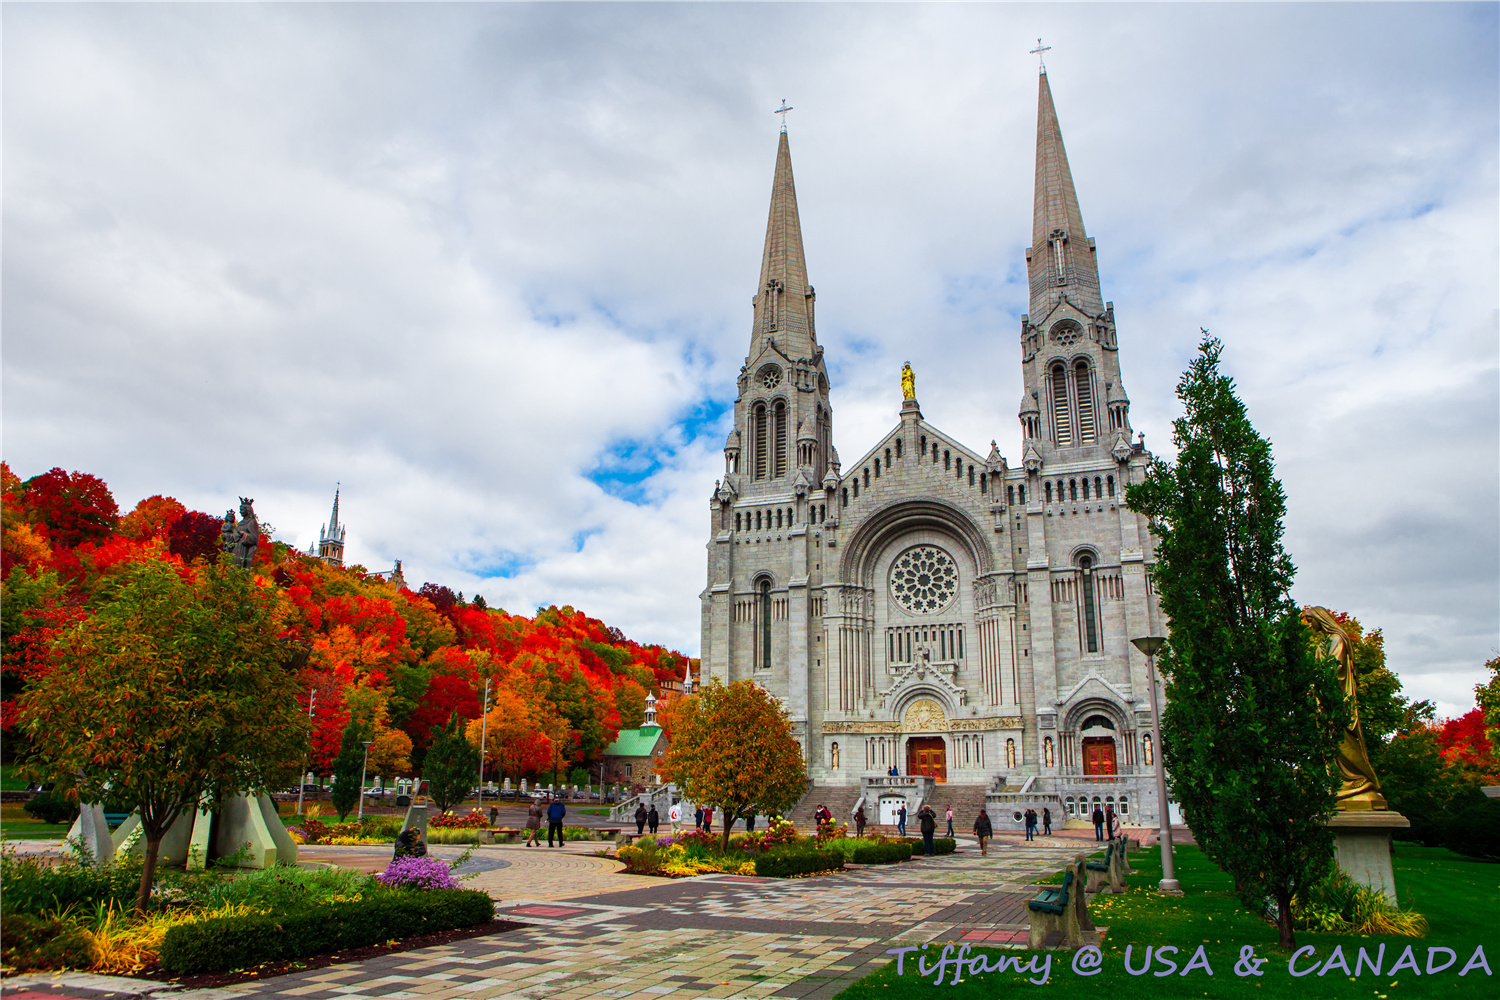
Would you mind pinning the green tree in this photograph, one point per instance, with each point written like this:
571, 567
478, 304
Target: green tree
452, 766
732, 747
174, 690
1253, 712
348, 768
1488, 697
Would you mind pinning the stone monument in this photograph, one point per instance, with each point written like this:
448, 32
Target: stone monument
1362, 822
241, 538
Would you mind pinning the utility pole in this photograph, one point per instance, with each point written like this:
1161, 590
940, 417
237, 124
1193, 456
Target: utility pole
362, 769
302, 778
484, 723
1168, 886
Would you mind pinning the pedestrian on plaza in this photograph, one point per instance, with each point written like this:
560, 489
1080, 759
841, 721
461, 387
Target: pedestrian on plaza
1030, 823
949, 813
983, 830
534, 824
823, 818
1109, 820
1046, 821
653, 820
750, 823
640, 818
409, 844
928, 820
708, 819
494, 816
859, 822
698, 818
1098, 819
555, 813
674, 816
901, 820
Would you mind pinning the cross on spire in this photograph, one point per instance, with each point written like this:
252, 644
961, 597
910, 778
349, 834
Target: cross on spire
785, 107
1041, 67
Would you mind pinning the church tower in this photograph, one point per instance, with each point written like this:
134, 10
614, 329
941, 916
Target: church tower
331, 537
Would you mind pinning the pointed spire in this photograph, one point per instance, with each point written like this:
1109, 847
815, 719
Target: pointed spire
333, 521
1062, 258
783, 300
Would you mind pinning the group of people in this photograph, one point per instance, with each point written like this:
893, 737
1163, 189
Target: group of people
1104, 820
554, 813
646, 817
1031, 823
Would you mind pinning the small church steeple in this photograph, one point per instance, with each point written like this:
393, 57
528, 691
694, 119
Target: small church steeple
331, 538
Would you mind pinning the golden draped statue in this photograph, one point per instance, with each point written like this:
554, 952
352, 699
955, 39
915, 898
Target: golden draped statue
908, 382
1361, 788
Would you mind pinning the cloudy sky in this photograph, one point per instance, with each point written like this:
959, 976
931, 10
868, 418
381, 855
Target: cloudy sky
490, 266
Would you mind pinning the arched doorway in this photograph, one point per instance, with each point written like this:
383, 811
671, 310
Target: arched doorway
927, 755
1098, 746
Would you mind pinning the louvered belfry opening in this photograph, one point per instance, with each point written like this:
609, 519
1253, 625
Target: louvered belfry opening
1084, 383
779, 464
760, 441
1062, 426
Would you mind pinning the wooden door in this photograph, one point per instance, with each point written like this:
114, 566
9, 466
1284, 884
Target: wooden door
927, 755
1098, 755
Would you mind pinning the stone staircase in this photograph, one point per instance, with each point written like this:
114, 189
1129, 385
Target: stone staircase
839, 799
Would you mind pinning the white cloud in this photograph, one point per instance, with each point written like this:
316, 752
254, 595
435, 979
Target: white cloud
480, 262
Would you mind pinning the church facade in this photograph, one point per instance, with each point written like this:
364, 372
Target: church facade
933, 607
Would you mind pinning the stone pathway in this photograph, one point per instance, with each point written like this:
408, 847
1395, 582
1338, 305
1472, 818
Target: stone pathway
592, 932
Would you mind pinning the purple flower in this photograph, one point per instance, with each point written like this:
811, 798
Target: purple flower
418, 873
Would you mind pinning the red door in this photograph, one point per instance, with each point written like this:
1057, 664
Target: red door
927, 755
1098, 755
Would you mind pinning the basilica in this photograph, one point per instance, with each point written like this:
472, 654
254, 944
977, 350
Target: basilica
932, 614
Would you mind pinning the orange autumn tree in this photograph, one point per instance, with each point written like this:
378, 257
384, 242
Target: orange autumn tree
514, 744
732, 748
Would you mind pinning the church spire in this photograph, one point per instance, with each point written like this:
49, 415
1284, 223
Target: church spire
1062, 263
784, 299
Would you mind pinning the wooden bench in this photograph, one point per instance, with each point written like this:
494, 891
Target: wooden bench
115, 819
1062, 911
1108, 873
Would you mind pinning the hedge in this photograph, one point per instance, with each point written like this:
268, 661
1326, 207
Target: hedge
239, 942
29, 942
940, 845
885, 853
780, 864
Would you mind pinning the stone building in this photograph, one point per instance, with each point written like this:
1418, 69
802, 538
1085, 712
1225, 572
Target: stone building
930, 606
330, 544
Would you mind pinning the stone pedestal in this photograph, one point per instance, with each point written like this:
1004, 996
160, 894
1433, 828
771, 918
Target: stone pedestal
1362, 846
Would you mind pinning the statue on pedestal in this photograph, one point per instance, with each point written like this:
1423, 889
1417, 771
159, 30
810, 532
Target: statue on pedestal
1361, 788
908, 382
241, 538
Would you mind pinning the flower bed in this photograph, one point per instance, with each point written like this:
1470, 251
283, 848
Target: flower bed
474, 820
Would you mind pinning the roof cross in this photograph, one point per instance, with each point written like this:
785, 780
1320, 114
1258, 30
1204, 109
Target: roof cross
785, 107
1041, 67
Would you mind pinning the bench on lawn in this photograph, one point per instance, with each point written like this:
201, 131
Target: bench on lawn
1061, 910
1111, 871
115, 819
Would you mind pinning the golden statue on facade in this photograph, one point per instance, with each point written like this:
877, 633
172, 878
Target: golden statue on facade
908, 382
1361, 788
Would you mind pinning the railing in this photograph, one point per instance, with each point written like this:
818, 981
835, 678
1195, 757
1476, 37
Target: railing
1105, 779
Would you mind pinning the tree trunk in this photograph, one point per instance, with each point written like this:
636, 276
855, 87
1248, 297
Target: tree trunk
148, 871
729, 819
1284, 920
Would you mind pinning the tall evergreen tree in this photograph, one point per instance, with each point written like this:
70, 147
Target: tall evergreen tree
452, 766
348, 770
1254, 713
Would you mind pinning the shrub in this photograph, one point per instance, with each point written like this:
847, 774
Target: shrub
315, 831
782, 832
473, 820
34, 886
385, 827
881, 853
418, 873
280, 889
940, 845
452, 835
1475, 830
237, 942
33, 942
51, 807
780, 864
1338, 904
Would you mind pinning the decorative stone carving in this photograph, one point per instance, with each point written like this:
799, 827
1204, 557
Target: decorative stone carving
925, 716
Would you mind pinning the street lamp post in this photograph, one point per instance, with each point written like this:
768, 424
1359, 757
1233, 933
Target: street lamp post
312, 699
362, 769
484, 722
1168, 886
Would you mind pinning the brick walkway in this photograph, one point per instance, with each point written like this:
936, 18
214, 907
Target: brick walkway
592, 932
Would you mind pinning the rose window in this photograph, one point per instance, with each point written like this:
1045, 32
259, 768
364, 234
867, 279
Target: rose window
924, 579
769, 376
1066, 334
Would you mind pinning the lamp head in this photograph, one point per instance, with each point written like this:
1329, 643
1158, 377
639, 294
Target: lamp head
1149, 644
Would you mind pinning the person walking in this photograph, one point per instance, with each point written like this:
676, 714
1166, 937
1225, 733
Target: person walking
674, 816
555, 813
653, 819
534, 824
1109, 821
983, 830
698, 818
1046, 821
859, 822
640, 818
1098, 819
928, 825
1030, 823
901, 820
708, 819
750, 823
949, 814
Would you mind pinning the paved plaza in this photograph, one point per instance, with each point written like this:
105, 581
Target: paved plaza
593, 931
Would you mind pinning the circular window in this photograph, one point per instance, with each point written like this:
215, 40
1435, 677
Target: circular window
924, 579
1065, 333
769, 376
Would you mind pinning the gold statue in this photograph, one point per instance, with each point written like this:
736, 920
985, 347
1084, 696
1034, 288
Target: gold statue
1361, 788
908, 382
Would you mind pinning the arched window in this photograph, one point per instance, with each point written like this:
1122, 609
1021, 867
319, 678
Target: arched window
934, 453
971, 475
877, 468
1110, 480
1047, 751
1072, 489
1048, 486
1084, 384
1010, 495
757, 520
1021, 495
846, 496
947, 459
867, 477
779, 464
1098, 491
898, 447
778, 517
822, 512
1010, 753
1060, 491
984, 485
856, 487
761, 454
1090, 621
924, 444
1085, 487
736, 521
888, 458
765, 624
1147, 756
1062, 422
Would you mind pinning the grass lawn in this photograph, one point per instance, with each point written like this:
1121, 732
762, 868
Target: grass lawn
16, 824
1459, 897
8, 780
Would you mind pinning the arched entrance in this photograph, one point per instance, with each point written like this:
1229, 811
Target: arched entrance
927, 755
1099, 755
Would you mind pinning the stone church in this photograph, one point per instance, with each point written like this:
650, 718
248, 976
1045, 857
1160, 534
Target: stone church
932, 607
